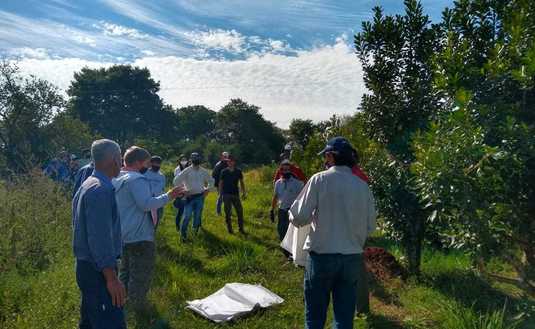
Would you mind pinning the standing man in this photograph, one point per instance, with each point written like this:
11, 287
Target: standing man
197, 183
341, 208
287, 188
156, 180
85, 159
135, 202
179, 203
97, 242
295, 170
230, 192
216, 174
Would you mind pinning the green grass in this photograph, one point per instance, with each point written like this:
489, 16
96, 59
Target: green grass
448, 295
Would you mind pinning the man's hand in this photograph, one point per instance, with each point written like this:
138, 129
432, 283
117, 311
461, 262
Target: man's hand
272, 215
176, 192
115, 288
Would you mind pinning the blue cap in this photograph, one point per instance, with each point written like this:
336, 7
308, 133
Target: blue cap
338, 145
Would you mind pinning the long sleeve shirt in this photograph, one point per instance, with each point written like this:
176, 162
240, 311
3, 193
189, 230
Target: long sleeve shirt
341, 209
96, 224
157, 181
135, 202
196, 180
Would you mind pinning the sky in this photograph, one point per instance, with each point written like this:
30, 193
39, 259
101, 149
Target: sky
293, 58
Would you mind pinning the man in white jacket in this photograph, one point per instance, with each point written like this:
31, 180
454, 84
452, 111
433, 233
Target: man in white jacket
341, 209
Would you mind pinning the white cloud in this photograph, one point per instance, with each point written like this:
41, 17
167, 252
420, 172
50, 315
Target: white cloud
217, 39
115, 30
84, 39
26, 52
314, 84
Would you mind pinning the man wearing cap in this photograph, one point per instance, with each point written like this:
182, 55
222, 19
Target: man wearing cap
197, 183
156, 180
341, 210
286, 190
216, 174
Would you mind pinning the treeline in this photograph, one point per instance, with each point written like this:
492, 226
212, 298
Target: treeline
447, 129
122, 103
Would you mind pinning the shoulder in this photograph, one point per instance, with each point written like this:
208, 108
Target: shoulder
95, 189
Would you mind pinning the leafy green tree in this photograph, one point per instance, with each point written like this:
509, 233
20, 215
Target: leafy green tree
300, 131
27, 106
120, 102
241, 123
396, 53
195, 121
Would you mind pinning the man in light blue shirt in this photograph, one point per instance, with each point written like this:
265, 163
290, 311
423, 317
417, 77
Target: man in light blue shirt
97, 242
135, 203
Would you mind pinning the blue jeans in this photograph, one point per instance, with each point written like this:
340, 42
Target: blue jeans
333, 275
96, 309
193, 208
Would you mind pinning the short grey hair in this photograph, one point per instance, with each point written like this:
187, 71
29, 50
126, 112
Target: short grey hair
103, 149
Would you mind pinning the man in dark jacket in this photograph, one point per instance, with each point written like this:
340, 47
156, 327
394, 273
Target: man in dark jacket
216, 175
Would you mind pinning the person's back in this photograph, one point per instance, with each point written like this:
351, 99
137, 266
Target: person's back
345, 212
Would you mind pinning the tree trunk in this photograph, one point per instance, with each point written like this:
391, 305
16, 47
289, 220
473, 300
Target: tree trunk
414, 244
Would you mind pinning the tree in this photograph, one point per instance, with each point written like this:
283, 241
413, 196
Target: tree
120, 102
396, 53
27, 106
300, 131
241, 123
195, 121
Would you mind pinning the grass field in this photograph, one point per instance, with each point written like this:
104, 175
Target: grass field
449, 294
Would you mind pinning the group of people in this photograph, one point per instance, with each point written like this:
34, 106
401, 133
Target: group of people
118, 204
65, 166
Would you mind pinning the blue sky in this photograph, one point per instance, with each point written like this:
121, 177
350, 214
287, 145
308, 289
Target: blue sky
292, 58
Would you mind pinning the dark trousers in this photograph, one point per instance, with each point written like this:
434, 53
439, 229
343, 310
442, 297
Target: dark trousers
284, 222
333, 275
96, 309
179, 205
229, 201
137, 267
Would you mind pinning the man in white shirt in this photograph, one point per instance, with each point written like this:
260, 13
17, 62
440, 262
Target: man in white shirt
197, 183
341, 209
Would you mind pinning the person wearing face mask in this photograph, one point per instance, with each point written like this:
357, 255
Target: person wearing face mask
197, 183
156, 180
179, 203
135, 202
286, 190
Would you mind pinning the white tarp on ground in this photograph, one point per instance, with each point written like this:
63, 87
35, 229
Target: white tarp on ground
234, 300
294, 241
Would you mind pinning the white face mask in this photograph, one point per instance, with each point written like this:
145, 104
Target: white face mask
183, 163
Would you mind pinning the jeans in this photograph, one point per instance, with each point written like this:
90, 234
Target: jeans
230, 200
193, 208
284, 222
219, 203
137, 267
96, 309
179, 205
333, 275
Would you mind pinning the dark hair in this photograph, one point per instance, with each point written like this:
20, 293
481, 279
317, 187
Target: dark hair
135, 154
344, 159
156, 158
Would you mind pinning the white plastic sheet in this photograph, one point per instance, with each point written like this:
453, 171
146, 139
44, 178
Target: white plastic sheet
294, 241
233, 300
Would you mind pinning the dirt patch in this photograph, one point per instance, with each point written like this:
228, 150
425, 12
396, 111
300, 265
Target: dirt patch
382, 265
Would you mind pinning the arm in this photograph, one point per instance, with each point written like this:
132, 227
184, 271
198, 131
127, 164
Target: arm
140, 190
220, 187
305, 204
242, 186
208, 181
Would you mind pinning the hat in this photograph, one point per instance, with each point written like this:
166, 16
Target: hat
225, 155
156, 158
195, 156
337, 145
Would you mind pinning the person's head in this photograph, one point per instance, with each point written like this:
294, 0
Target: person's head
195, 159
286, 169
183, 160
155, 163
106, 155
86, 154
224, 156
231, 161
338, 152
137, 159
284, 156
